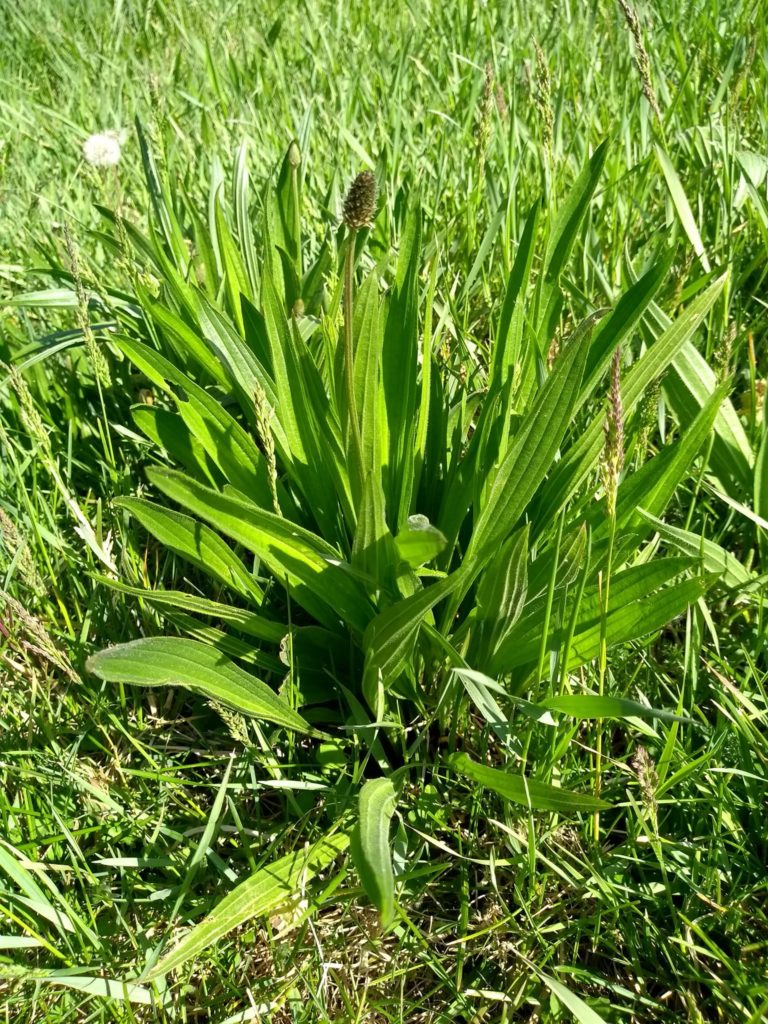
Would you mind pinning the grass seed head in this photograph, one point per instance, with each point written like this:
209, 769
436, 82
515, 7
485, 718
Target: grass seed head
647, 777
97, 357
264, 414
360, 201
642, 60
30, 415
483, 127
724, 352
648, 418
613, 452
543, 98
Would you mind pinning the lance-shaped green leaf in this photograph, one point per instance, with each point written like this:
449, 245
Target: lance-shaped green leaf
241, 194
310, 567
370, 845
581, 458
367, 376
519, 789
174, 661
688, 387
531, 454
635, 611
232, 268
632, 622
186, 343
399, 369
195, 542
391, 635
171, 435
103, 988
244, 621
161, 202
592, 705
653, 486
682, 206
480, 689
314, 456
714, 558
582, 1012
268, 889
245, 651
623, 318
561, 237
500, 598
373, 551
506, 348
222, 437
627, 587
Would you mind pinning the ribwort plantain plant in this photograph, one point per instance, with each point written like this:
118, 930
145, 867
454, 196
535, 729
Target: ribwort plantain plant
421, 549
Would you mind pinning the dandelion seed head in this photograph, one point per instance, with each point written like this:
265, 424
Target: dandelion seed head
103, 149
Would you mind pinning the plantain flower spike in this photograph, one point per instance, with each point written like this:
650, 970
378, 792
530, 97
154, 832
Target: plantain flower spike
294, 154
360, 201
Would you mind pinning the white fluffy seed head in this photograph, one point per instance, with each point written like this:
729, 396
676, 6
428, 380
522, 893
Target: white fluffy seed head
102, 149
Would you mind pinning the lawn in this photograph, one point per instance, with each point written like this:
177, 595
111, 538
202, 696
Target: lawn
383, 512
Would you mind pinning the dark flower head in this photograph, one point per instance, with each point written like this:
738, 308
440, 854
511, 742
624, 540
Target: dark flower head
360, 201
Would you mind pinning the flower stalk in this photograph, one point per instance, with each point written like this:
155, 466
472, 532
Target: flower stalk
611, 467
359, 207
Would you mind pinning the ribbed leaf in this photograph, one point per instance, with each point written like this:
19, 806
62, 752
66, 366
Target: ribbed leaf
175, 661
538, 796
195, 542
400, 355
370, 845
103, 988
714, 558
589, 706
373, 551
638, 606
241, 192
530, 455
367, 374
682, 206
500, 598
235, 277
244, 621
311, 568
222, 437
687, 387
561, 237
268, 889
581, 458
506, 348
171, 435
390, 636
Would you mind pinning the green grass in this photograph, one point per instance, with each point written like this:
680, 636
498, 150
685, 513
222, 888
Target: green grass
126, 814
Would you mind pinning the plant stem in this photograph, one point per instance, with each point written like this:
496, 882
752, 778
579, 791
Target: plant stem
603, 661
349, 357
